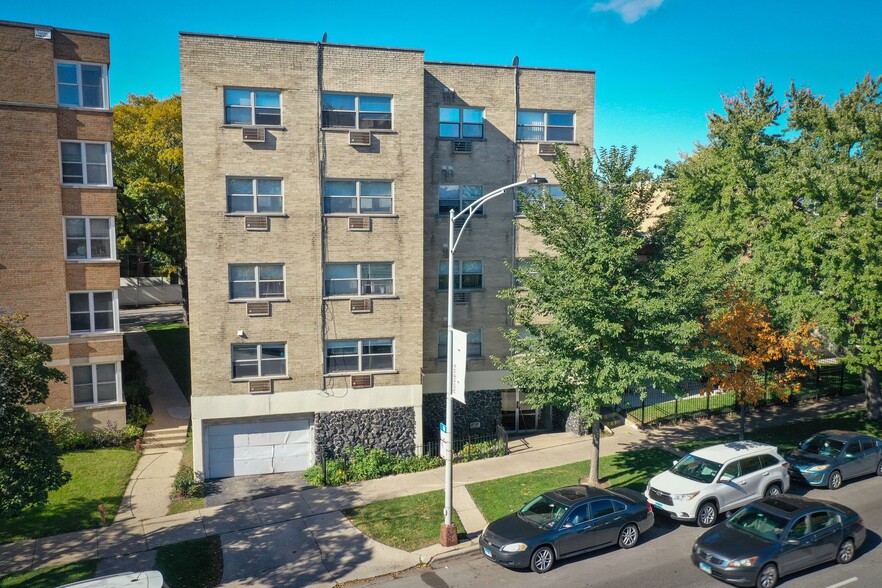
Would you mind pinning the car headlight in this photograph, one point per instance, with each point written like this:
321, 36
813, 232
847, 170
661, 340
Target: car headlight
684, 497
513, 547
742, 563
485, 528
818, 468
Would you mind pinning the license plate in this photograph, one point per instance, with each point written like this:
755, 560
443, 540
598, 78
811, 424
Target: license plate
659, 505
702, 566
487, 553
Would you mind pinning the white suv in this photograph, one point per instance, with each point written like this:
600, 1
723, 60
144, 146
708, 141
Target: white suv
717, 479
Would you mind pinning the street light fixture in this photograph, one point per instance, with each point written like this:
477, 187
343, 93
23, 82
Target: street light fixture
448, 529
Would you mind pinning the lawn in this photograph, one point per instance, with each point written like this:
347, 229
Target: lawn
52, 576
632, 469
98, 476
173, 343
408, 523
184, 503
194, 564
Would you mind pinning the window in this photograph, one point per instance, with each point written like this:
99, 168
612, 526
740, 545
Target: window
257, 281
95, 384
730, 472
358, 279
254, 195
243, 106
521, 263
601, 508
85, 163
81, 84
456, 198
578, 515
358, 197
822, 520
350, 111
461, 123
92, 312
359, 356
750, 465
467, 275
799, 529
534, 125
533, 192
473, 347
854, 448
259, 361
89, 238
768, 460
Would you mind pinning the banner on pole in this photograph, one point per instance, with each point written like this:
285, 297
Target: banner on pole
460, 349
445, 442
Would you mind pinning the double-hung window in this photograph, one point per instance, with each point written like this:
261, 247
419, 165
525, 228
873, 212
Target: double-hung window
532, 192
358, 197
247, 106
259, 361
85, 163
467, 274
456, 198
358, 279
92, 312
536, 125
254, 195
95, 384
251, 281
473, 344
359, 355
461, 123
353, 111
82, 85
89, 238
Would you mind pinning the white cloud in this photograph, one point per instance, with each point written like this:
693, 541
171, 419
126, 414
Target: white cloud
629, 10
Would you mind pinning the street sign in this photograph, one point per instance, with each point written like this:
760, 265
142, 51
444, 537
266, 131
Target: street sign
460, 349
445, 441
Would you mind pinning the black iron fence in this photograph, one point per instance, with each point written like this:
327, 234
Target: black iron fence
470, 448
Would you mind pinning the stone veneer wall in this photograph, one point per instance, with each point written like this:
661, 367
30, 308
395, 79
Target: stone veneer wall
482, 406
390, 429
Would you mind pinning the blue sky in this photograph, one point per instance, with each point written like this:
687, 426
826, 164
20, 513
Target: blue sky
661, 64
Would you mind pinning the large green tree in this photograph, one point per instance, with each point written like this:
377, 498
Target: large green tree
148, 168
29, 458
601, 316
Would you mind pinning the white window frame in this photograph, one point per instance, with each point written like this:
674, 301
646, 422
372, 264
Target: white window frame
253, 107
442, 344
535, 191
105, 85
360, 354
117, 372
84, 167
358, 197
92, 330
459, 263
260, 374
360, 281
89, 219
254, 196
460, 124
257, 281
358, 111
545, 126
461, 206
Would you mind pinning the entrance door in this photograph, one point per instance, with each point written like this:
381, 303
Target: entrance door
517, 414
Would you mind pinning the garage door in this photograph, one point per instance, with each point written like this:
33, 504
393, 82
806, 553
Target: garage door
257, 447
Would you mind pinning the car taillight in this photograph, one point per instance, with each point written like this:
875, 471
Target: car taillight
649, 508
785, 465
860, 522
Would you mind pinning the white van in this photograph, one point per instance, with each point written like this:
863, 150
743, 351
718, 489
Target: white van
717, 479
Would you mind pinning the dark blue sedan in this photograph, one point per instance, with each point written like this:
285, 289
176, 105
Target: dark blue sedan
829, 457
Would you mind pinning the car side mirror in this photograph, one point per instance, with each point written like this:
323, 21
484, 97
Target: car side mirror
791, 542
567, 526
725, 479
850, 455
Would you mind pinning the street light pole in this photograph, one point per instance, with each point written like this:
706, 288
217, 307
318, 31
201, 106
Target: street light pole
448, 529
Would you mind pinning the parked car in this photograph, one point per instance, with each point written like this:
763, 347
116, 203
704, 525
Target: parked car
829, 457
776, 536
567, 522
717, 479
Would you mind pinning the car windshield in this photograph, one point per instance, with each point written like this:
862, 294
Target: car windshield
543, 512
823, 445
695, 468
758, 522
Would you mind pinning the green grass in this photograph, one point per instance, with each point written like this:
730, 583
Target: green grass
173, 343
191, 564
182, 503
408, 523
52, 576
632, 469
98, 476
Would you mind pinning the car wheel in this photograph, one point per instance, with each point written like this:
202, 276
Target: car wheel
773, 490
879, 468
542, 559
768, 576
628, 536
835, 480
845, 553
707, 514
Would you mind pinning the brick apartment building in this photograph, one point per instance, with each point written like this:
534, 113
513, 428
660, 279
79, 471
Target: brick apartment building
319, 179
57, 239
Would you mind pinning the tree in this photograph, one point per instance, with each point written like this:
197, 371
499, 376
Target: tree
29, 458
148, 168
601, 316
753, 358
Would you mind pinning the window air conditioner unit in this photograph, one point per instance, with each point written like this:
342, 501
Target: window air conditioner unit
360, 305
360, 138
359, 223
546, 149
257, 309
362, 381
462, 146
256, 223
462, 297
254, 134
260, 386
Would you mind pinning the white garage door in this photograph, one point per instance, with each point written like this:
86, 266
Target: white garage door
257, 447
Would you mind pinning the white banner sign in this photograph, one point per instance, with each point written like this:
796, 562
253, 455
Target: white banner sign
460, 349
445, 441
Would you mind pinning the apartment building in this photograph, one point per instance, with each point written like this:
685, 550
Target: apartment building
57, 237
319, 179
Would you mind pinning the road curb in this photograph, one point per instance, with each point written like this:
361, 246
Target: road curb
462, 549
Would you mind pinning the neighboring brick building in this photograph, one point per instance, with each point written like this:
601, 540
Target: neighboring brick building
57, 239
318, 179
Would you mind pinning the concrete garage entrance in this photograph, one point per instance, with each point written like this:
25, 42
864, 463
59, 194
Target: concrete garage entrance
257, 447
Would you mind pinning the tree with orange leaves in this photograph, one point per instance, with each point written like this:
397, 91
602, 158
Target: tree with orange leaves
752, 358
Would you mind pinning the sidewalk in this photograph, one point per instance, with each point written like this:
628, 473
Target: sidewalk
259, 535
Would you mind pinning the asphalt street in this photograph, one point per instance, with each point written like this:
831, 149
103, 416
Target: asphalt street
662, 559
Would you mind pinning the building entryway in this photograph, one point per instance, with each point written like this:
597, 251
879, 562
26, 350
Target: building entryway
518, 416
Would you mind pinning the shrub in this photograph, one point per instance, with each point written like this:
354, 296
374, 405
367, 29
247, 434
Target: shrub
417, 463
117, 437
188, 485
482, 450
336, 473
137, 393
64, 431
137, 416
367, 465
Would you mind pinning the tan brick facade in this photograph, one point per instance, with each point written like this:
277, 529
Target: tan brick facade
35, 276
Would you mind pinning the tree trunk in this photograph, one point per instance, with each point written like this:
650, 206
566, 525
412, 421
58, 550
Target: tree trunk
870, 380
741, 421
596, 431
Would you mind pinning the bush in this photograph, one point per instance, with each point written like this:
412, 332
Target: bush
68, 438
336, 473
124, 437
137, 416
417, 463
360, 464
482, 450
188, 485
367, 465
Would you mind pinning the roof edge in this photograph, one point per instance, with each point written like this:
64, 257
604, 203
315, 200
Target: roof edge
295, 42
462, 64
27, 25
